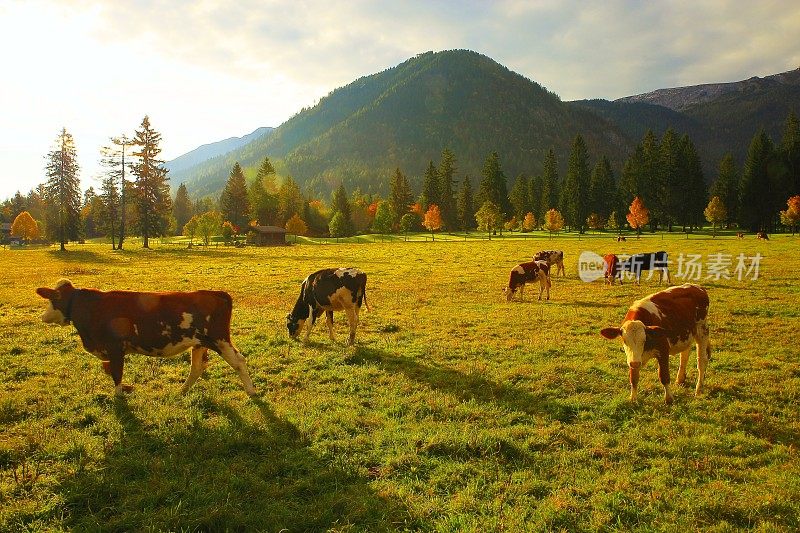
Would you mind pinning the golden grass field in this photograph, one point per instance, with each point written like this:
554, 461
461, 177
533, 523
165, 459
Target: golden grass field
455, 411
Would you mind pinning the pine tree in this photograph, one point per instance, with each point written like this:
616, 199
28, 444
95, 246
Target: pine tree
693, 191
534, 199
754, 186
110, 201
790, 149
63, 188
341, 206
576, 186
430, 187
466, 208
181, 207
631, 182
113, 160
726, 186
602, 189
266, 174
447, 201
651, 172
290, 201
668, 198
234, 203
519, 197
400, 196
550, 185
493, 187
152, 191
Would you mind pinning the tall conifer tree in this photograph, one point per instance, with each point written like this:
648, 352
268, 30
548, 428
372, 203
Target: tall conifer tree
153, 199
234, 202
550, 185
447, 201
576, 186
63, 188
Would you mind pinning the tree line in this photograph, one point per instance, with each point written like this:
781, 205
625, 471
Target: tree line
661, 184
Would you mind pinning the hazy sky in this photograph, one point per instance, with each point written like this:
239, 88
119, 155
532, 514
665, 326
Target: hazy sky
207, 70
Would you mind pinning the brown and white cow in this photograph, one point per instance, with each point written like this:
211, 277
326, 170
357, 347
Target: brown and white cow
621, 238
528, 273
762, 235
663, 324
611, 269
329, 290
159, 324
552, 257
740, 235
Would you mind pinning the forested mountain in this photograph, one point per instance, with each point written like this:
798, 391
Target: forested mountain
406, 115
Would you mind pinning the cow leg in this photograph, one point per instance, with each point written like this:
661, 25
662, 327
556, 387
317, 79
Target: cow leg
352, 319
668, 278
522, 293
310, 324
235, 359
114, 368
703, 356
663, 376
329, 317
199, 363
681, 379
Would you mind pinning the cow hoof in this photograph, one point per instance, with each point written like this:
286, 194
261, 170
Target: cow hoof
122, 390
253, 393
669, 399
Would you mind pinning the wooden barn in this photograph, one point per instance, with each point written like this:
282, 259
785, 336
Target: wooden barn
266, 236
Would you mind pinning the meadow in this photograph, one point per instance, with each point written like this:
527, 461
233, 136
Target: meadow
455, 411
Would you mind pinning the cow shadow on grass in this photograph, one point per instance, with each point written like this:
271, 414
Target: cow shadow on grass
86, 257
220, 472
468, 387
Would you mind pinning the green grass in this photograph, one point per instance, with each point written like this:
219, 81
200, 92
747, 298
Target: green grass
455, 411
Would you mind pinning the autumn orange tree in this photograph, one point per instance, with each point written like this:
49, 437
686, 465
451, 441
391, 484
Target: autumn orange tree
638, 215
25, 226
529, 223
512, 224
791, 216
433, 219
715, 213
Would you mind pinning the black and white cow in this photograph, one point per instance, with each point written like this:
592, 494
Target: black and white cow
636, 263
329, 290
551, 257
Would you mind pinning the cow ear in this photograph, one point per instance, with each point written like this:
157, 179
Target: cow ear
611, 333
49, 294
657, 331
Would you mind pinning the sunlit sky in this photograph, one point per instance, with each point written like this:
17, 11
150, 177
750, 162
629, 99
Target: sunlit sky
207, 70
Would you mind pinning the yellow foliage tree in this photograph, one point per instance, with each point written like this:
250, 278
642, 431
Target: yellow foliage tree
25, 226
512, 224
529, 223
715, 212
296, 225
638, 215
553, 221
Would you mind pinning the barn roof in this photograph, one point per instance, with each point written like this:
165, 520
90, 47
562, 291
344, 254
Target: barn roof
267, 229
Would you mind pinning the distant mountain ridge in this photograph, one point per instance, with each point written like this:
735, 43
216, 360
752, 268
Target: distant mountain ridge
681, 98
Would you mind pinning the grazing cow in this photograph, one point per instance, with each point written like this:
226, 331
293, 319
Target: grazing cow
636, 263
611, 269
329, 290
528, 273
740, 235
620, 238
762, 235
160, 324
663, 324
552, 257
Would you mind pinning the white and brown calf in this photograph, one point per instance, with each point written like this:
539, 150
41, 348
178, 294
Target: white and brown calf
551, 257
326, 291
528, 273
664, 324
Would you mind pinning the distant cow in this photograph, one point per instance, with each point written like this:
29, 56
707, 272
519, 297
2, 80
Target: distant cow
762, 235
160, 324
329, 290
620, 238
528, 273
663, 324
552, 257
636, 263
611, 270
740, 235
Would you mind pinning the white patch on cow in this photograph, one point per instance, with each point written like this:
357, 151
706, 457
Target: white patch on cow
186, 322
633, 338
352, 272
53, 316
135, 329
170, 350
649, 306
208, 318
518, 269
60, 283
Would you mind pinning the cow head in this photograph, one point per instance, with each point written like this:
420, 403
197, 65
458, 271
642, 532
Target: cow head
294, 324
60, 298
637, 339
509, 292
